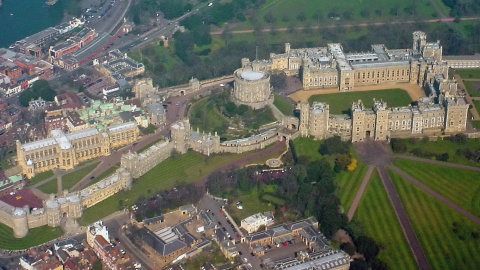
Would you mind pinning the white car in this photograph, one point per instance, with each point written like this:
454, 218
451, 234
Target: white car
222, 84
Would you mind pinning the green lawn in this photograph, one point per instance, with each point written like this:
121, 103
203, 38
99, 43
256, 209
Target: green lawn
4, 163
476, 103
49, 187
473, 73
283, 104
69, 180
446, 146
40, 177
433, 223
251, 205
302, 12
376, 214
476, 124
206, 118
342, 102
348, 184
459, 186
473, 88
304, 146
34, 237
186, 168
104, 174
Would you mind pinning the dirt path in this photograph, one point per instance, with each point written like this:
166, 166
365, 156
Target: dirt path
358, 196
242, 160
413, 90
403, 218
459, 166
437, 196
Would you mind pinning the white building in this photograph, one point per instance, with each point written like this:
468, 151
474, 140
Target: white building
253, 222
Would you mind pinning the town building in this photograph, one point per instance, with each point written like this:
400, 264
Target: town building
254, 222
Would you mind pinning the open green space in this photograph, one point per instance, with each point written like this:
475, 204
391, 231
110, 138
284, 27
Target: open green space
304, 146
445, 146
476, 124
282, 13
473, 88
207, 118
348, 184
5, 162
35, 236
104, 174
69, 180
379, 221
459, 186
473, 73
446, 237
40, 177
186, 168
251, 204
49, 187
476, 103
341, 103
283, 104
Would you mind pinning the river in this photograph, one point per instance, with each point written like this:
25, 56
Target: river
22, 18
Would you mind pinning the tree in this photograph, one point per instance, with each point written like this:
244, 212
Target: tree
349, 248
358, 264
341, 162
367, 247
334, 145
398, 145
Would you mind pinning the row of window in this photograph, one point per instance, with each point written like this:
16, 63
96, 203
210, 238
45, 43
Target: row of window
388, 73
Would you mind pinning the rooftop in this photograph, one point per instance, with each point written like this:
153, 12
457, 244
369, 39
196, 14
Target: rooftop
251, 75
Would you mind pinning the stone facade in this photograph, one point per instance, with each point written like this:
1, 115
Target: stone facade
252, 88
140, 163
65, 151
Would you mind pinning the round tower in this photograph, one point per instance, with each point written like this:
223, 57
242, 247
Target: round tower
125, 177
19, 222
52, 210
252, 88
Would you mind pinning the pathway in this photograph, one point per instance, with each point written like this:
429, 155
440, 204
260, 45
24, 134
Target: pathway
358, 196
60, 173
439, 197
437, 162
403, 218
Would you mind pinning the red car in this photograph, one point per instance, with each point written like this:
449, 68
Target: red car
285, 244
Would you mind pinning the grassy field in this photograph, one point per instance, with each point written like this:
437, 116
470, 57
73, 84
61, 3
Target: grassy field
69, 180
251, 205
304, 146
49, 187
186, 168
446, 146
302, 12
459, 186
283, 104
434, 224
473, 88
342, 102
104, 174
476, 124
40, 177
473, 73
476, 103
34, 237
209, 119
348, 184
376, 214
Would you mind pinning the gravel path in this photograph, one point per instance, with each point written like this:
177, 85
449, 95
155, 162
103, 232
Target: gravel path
359, 194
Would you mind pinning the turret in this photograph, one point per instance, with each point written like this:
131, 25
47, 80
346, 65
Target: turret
19, 222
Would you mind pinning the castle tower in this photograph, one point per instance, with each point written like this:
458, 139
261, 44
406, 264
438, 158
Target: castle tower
381, 123
19, 222
318, 120
419, 40
456, 116
245, 62
125, 177
180, 135
358, 122
304, 108
287, 48
52, 210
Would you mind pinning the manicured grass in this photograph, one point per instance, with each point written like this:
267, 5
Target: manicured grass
104, 174
473, 88
446, 146
304, 146
379, 221
473, 73
476, 103
459, 186
69, 180
342, 102
251, 205
476, 124
348, 184
49, 187
283, 104
433, 222
187, 168
40, 177
206, 118
35, 236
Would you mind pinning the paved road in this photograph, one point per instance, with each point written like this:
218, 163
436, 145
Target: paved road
403, 218
437, 162
436, 195
445, 20
358, 196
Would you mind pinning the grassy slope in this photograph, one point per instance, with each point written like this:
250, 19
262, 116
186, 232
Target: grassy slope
459, 186
282, 103
348, 184
476, 103
376, 214
213, 118
342, 102
69, 180
432, 222
34, 237
50, 187
40, 177
185, 168
307, 147
447, 146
